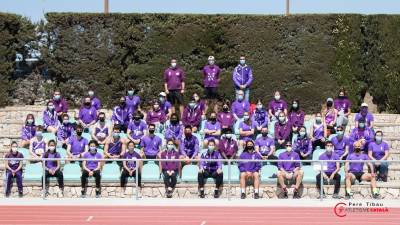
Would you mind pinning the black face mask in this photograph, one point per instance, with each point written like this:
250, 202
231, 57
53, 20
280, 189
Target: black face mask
357, 150
264, 134
151, 131
102, 119
225, 109
87, 104
250, 148
329, 104
174, 121
137, 119
213, 119
188, 135
122, 103
342, 97
79, 133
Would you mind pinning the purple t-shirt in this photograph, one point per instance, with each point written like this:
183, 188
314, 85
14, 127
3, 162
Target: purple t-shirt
137, 129
297, 118
342, 104
228, 146
90, 164
96, 103
170, 165
155, 117
277, 106
356, 167
60, 105
211, 75
132, 102
250, 166
331, 166
165, 106
210, 166
245, 127
51, 164
288, 166
77, 146
378, 150
131, 164
368, 118
240, 107
13, 164
173, 131
38, 147
226, 119
174, 78
88, 115
340, 145
151, 145
212, 127
264, 144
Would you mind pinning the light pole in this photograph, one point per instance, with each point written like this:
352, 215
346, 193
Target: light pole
287, 7
106, 10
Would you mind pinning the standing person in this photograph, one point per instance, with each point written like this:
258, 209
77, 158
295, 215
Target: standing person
77, 144
192, 115
101, 130
240, 106
379, 150
60, 104
87, 114
317, 132
209, 169
132, 101
129, 167
290, 170
174, 84
226, 117
170, 170
249, 170
368, 117
151, 143
156, 116
165, 105
259, 118
243, 77
228, 146
212, 129
137, 128
283, 130
189, 147
50, 118
38, 145
14, 170
343, 105
28, 131
211, 79
276, 106
65, 131
330, 174
120, 115
329, 116
53, 168
95, 101
91, 168
296, 116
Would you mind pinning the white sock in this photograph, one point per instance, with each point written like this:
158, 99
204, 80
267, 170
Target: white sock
242, 189
256, 191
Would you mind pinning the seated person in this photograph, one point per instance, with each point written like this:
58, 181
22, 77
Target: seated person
87, 114
189, 147
137, 128
209, 169
364, 114
290, 170
120, 115
240, 106
361, 134
115, 146
249, 170
91, 168
355, 170
228, 146
276, 106
65, 131
156, 116
77, 144
28, 131
37, 146
14, 170
53, 168
246, 130
303, 145
283, 131
192, 115
341, 143
129, 167
265, 145
50, 118
165, 105
101, 131
260, 117
330, 173
329, 114
379, 150
226, 117
174, 129
296, 116
170, 170
151, 143
212, 129
343, 105
318, 136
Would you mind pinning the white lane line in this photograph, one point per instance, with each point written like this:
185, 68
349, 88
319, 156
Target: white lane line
89, 218
203, 223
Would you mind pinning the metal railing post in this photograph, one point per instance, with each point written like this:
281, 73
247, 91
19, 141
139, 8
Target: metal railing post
137, 179
322, 183
43, 179
229, 179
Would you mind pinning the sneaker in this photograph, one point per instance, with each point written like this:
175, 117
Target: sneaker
83, 194
256, 196
216, 193
61, 194
376, 196
336, 196
243, 196
20, 195
285, 193
7, 195
169, 194
202, 195
348, 196
296, 194
98, 194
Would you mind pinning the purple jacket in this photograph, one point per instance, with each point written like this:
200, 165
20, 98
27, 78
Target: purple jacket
174, 78
211, 75
342, 104
238, 108
260, 118
242, 75
170, 165
226, 119
228, 146
65, 131
155, 117
192, 116
303, 145
50, 119
283, 131
250, 166
96, 103
88, 115
120, 115
28, 132
189, 146
173, 131
137, 129
211, 166
61, 105
296, 118
288, 166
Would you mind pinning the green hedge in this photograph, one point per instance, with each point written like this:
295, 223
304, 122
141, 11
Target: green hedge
307, 57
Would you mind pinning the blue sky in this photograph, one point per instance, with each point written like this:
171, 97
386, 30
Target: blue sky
34, 9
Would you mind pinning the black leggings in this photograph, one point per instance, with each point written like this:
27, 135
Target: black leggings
202, 178
170, 181
337, 178
84, 179
60, 179
125, 175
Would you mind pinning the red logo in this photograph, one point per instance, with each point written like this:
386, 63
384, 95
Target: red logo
340, 209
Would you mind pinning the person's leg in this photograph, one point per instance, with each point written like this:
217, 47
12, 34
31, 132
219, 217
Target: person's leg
281, 179
124, 178
299, 178
46, 180
139, 178
18, 177
337, 178
97, 177
84, 179
60, 179
9, 182
201, 178
166, 179
318, 183
256, 179
383, 171
174, 179
349, 178
218, 179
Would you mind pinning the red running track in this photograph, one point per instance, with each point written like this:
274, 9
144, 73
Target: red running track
175, 215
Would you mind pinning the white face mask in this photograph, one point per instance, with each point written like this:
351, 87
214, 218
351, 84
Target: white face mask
277, 97
289, 149
52, 148
242, 61
211, 62
173, 65
14, 149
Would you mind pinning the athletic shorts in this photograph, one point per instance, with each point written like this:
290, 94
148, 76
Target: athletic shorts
210, 93
175, 97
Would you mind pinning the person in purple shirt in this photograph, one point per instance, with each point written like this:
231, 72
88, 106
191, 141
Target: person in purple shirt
65, 131
330, 172
53, 168
240, 106
355, 171
303, 145
129, 167
317, 132
132, 101
290, 170
50, 118
228, 146
283, 131
249, 170
174, 129
192, 115
379, 150
14, 170
87, 114
91, 168
242, 77
201, 103
246, 129
296, 115
211, 79
137, 128
343, 105
361, 134
189, 147
115, 146
276, 105
170, 170
156, 116
28, 131
77, 145
151, 143
120, 115
365, 115
101, 130
37, 145
329, 114
265, 145
212, 129
60, 104
95, 102
165, 105
340, 143
226, 117
209, 169
174, 84
260, 117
